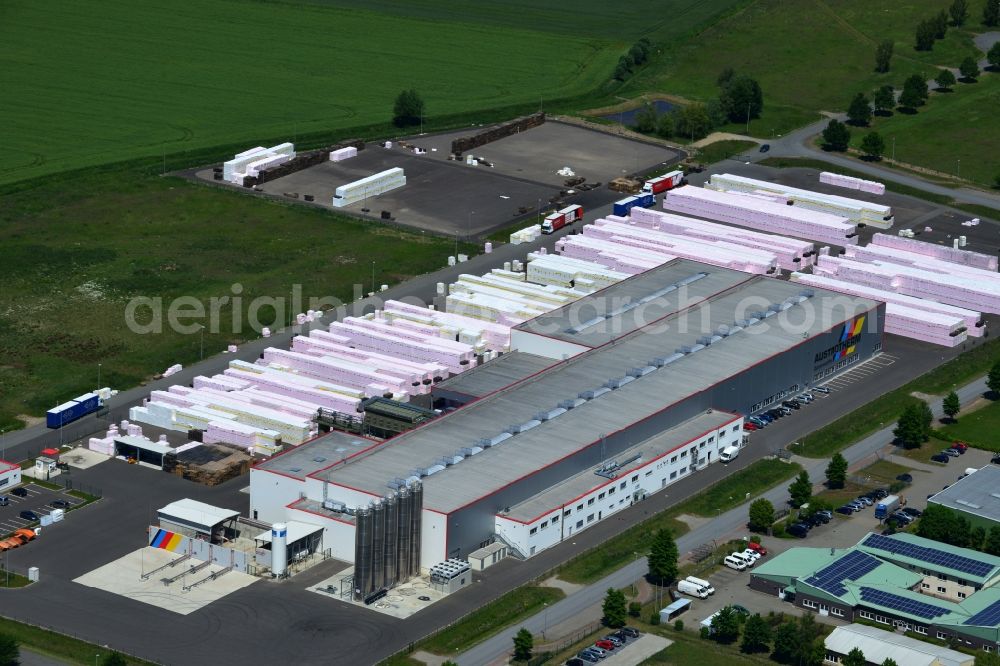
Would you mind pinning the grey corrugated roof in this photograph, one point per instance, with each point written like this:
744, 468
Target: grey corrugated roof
978, 493
494, 468
575, 486
878, 645
312, 456
496, 374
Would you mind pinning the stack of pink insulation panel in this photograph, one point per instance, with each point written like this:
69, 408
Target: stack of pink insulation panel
793, 254
476, 332
761, 214
374, 381
620, 258
870, 186
911, 317
403, 342
342, 154
951, 255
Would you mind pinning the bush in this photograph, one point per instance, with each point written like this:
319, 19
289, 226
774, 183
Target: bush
679, 625
654, 618
755, 538
635, 609
705, 632
896, 486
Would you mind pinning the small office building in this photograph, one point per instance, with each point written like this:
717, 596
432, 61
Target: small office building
10, 475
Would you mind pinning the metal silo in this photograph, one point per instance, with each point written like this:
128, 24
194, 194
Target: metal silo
403, 529
391, 504
417, 501
363, 553
378, 545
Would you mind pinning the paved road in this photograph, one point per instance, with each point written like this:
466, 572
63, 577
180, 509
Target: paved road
731, 522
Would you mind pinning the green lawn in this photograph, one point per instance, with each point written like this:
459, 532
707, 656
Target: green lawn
958, 126
721, 150
980, 428
490, 619
58, 646
884, 471
75, 251
12, 580
728, 493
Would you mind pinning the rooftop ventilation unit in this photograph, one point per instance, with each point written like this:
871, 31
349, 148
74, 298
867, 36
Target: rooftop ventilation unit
641, 372
724, 331
586, 395
334, 505
550, 414
433, 469
569, 404
684, 350
808, 293
997, 495
968, 504
697, 347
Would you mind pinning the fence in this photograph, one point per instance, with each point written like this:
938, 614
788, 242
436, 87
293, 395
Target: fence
71, 484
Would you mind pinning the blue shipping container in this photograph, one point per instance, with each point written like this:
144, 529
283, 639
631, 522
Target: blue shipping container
622, 208
72, 410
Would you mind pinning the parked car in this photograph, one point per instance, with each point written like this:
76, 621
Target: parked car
905, 478
598, 650
588, 657
758, 547
867, 501
764, 147
799, 530
575, 661
940, 457
791, 404
60, 504
752, 554
19, 492
911, 511
605, 644
29, 515
827, 516
809, 397
954, 453
742, 610
821, 389
787, 411
736, 563
630, 632
961, 446
749, 427
618, 642
845, 510
4, 500
901, 518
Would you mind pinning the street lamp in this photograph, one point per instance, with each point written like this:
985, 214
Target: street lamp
201, 344
98, 375
468, 230
373, 276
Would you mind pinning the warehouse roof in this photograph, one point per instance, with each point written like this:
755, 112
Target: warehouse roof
977, 494
584, 482
317, 454
607, 389
193, 512
878, 645
494, 375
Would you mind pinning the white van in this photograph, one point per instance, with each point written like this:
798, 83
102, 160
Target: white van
691, 589
703, 583
729, 453
749, 561
735, 563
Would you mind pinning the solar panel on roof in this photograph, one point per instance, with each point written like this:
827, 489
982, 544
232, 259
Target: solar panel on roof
902, 604
851, 566
929, 555
988, 617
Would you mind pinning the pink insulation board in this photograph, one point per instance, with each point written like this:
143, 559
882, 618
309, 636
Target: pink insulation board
318, 347
496, 336
876, 253
336, 370
870, 186
327, 398
761, 215
949, 254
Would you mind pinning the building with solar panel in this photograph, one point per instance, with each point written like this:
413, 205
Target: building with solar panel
901, 581
600, 404
975, 497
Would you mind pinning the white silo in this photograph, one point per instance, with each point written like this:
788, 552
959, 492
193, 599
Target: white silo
279, 549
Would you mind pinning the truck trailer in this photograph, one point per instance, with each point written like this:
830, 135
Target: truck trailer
621, 208
72, 410
663, 183
556, 221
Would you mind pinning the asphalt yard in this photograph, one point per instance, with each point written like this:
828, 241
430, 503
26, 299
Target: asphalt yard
38, 500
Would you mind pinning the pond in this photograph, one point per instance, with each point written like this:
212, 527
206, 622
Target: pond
627, 118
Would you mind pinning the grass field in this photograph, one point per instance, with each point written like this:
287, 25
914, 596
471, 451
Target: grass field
960, 126
980, 428
721, 150
74, 253
58, 646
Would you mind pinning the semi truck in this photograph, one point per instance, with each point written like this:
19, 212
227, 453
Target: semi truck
556, 221
621, 208
663, 183
72, 410
885, 506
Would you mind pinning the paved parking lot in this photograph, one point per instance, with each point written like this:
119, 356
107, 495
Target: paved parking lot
861, 372
38, 500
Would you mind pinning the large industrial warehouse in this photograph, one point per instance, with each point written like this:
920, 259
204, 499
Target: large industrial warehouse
599, 404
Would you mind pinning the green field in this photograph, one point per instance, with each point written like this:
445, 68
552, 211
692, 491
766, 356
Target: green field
951, 128
980, 428
722, 150
75, 251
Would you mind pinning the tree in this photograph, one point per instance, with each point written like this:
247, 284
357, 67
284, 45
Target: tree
854, 658
836, 471
993, 55
634, 609
615, 608
756, 635
9, 651
801, 489
987, 659
889, 661
836, 136
977, 537
408, 109
959, 11
991, 13
873, 145
945, 79
741, 98
116, 659
761, 515
811, 650
726, 625
883, 99
663, 557
926, 417
622, 69
925, 36
860, 111
646, 118
524, 644
992, 543
969, 69
910, 431
951, 406
910, 98
640, 53
993, 379
883, 56
716, 112
665, 125
915, 92
940, 23
693, 122
942, 524
786, 642
725, 76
